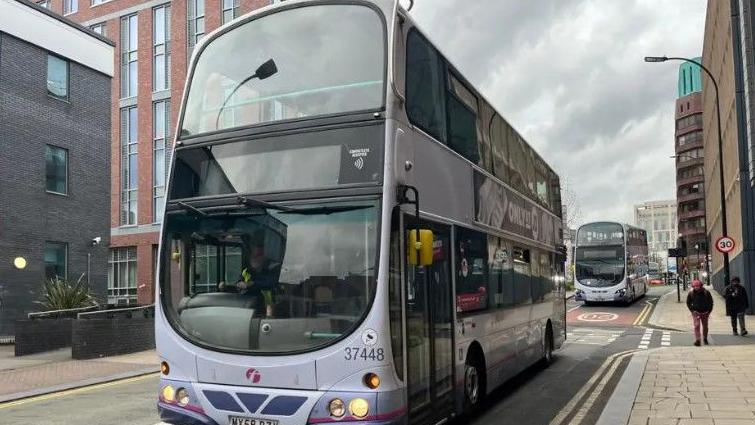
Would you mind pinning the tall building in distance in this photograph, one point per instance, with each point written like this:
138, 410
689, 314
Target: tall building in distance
55, 135
658, 218
690, 179
154, 40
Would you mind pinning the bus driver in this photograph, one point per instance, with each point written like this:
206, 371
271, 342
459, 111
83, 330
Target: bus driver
258, 279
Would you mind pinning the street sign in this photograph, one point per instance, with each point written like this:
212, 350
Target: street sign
725, 244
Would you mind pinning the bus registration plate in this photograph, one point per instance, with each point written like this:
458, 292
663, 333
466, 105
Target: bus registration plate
238, 420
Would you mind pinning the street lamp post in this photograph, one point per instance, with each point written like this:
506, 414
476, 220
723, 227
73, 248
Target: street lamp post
724, 230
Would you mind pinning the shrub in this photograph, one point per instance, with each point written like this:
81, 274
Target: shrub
61, 294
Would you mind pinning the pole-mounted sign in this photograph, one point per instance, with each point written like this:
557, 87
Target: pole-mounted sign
725, 244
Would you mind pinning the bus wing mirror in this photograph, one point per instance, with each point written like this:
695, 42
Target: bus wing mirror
420, 251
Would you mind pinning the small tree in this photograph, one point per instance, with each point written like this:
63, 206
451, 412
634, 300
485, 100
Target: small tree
61, 294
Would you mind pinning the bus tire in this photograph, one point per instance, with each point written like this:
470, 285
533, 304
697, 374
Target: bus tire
474, 380
548, 345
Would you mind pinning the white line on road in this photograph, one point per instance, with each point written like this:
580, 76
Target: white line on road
572, 309
572, 404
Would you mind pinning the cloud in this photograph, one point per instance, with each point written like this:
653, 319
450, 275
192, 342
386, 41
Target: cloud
570, 76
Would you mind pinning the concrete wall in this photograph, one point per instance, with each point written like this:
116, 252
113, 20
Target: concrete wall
29, 216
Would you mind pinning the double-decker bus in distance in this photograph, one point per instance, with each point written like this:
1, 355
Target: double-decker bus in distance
611, 262
352, 234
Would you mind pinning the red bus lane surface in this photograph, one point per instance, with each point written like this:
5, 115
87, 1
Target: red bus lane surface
609, 314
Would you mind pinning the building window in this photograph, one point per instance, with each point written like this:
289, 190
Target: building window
97, 2
121, 282
129, 165
161, 48
160, 157
44, 3
56, 169
690, 138
195, 15
99, 29
129, 45
56, 260
230, 10
57, 77
70, 6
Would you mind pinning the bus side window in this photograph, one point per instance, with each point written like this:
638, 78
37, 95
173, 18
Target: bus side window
522, 276
500, 284
424, 87
462, 120
471, 271
501, 166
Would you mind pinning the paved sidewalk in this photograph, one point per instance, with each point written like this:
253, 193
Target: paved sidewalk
32, 375
700, 386
670, 314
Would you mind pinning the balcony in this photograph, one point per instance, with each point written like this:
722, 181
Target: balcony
689, 162
687, 146
691, 231
689, 180
690, 197
691, 214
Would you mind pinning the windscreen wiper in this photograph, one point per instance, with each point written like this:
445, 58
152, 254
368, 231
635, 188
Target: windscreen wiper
192, 209
251, 202
325, 209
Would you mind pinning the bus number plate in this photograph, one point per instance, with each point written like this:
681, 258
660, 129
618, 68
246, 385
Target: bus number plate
238, 420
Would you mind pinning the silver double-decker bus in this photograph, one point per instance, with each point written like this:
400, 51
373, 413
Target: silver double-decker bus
611, 262
352, 233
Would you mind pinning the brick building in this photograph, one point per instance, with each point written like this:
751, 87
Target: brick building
153, 43
690, 181
55, 132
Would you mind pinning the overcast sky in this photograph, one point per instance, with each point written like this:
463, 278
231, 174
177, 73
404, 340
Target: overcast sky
570, 76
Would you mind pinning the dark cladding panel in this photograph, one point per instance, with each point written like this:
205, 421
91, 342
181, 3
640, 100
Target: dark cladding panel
500, 207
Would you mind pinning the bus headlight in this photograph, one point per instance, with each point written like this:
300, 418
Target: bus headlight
182, 397
168, 394
359, 408
621, 292
337, 408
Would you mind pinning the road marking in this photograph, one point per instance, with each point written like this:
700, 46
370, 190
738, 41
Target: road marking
592, 336
76, 390
572, 404
645, 340
572, 309
644, 313
597, 391
666, 339
597, 317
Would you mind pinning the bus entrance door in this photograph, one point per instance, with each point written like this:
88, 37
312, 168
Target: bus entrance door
429, 334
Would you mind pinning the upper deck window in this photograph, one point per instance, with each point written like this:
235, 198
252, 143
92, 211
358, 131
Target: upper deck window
329, 59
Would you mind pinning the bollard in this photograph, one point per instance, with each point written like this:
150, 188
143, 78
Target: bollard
678, 294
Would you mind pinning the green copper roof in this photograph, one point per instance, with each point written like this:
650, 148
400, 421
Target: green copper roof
690, 80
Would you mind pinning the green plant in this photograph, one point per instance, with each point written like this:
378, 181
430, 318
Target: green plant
61, 294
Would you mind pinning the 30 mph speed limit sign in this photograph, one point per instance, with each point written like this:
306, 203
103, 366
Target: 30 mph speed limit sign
725, 244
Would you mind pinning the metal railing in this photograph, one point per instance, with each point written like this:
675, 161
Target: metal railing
146, 311
58, 314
